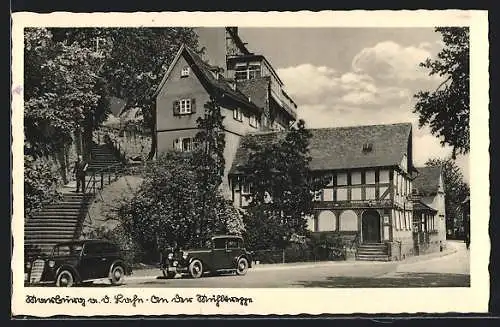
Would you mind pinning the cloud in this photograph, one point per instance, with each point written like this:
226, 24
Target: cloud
389, 60
377, 88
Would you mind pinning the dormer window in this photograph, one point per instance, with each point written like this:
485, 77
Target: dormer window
367, 147
185, 71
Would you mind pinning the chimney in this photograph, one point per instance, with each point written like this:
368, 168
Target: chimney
234, 30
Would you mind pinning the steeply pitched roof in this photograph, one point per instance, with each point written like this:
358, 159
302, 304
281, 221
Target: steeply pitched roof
256, 89
427, 181
219, 87
342, 147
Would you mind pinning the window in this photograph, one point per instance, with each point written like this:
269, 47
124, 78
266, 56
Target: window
184, 144
370, 177
238, 114
185, 71
384, 176
219, 243
342, 179
342, 194
254, 122
246, 188
233, 244
247, 72
348, 221
327, 221
328, 194
187, 144
356, 178
370, 193
93, 248
185, 106
356, 193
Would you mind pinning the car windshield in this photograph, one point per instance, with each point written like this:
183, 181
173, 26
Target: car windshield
67, 249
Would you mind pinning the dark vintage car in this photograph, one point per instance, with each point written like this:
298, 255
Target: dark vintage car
222, 253
73, 263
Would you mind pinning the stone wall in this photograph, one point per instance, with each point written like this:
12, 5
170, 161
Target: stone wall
135, 145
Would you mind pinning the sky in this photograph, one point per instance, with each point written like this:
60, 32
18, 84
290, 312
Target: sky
356, 76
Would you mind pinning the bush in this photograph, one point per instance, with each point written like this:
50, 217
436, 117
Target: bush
40, 184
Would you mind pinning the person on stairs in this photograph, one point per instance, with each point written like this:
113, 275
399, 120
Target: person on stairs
80, 171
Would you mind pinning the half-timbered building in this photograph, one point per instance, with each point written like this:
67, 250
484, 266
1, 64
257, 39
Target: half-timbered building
368, 197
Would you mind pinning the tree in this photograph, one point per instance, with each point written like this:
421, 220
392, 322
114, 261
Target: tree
456, 190
282, 186
180, 198
135, 61
60, 91
446, 109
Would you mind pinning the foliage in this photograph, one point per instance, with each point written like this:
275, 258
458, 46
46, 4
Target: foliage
135, 60
282, 187
40, 184
180, 199
61, 89
455, 188
446, 109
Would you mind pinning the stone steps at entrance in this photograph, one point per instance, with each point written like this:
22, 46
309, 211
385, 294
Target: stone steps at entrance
372, 252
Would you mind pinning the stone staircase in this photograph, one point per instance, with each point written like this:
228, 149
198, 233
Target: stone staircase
103, 156
57, 222
372, 252
62, 221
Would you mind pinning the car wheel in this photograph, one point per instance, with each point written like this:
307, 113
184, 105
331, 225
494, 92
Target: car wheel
65, 279
196, 269
117, 275
242, 266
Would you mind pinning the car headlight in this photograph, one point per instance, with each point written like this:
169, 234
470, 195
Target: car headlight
170, 256
184, 255
52, 263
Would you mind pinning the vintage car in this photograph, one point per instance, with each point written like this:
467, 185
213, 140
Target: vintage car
222, 253
72, 263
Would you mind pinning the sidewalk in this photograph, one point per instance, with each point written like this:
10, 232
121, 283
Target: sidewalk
153, 272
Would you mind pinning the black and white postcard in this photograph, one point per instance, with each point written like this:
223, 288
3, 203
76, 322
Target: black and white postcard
250, 163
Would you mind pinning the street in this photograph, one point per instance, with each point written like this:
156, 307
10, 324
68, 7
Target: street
449, 269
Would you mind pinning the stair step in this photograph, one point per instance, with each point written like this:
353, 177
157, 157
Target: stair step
48, 228
372, 257
48, 241
48, 234
51, 220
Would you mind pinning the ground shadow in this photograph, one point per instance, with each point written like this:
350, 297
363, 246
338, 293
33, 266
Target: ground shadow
403, 280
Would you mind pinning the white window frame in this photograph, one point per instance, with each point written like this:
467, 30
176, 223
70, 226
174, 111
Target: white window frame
253, 121
185, 71
238, 114
184, 106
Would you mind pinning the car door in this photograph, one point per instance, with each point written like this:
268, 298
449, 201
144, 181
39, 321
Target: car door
220, 254
93, 263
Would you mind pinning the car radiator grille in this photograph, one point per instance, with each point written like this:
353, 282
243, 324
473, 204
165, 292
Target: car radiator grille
37, 271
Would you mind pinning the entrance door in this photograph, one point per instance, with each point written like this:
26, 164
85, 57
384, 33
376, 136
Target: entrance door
371, 227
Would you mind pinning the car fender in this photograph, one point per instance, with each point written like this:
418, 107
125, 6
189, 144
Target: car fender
117, 262
73, 270
246, 256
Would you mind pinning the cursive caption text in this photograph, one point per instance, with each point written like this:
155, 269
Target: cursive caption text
136, 300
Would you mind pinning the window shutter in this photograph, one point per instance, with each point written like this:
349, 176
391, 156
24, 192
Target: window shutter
176, 107
193, 105
176, 144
